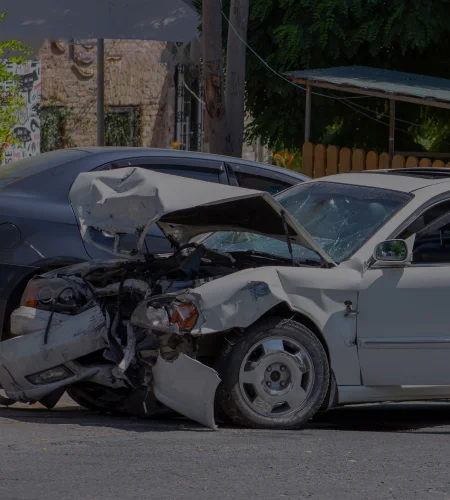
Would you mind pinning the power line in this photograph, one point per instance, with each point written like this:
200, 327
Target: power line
193, 93
275, 72
418, 125
343, 100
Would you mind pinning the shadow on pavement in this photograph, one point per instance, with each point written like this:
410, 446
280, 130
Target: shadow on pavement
394, 417
75, 415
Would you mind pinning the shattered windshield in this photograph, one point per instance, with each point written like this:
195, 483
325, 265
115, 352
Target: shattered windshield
340, 218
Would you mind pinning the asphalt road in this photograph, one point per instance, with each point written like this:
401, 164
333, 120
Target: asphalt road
398, 451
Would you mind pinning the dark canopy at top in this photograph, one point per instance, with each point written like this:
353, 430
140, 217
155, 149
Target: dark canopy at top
165, 20
384, 83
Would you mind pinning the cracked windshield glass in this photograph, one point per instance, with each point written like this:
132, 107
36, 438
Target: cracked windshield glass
339, 217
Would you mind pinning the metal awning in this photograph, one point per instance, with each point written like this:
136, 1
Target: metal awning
32, 21
165, 20
375, 82
387, 84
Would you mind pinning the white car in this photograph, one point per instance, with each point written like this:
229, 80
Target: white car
270, 309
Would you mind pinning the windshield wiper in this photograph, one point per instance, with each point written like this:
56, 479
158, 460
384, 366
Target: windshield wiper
288, 238
274, 256
258, 253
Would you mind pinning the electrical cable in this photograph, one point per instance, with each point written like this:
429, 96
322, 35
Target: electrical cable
343, 100
275, 72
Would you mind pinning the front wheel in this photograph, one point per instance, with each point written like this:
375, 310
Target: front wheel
275, 377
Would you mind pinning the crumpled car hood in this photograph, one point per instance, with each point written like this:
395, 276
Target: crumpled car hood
130, 200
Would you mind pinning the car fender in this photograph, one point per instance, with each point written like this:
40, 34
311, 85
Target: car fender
240, 299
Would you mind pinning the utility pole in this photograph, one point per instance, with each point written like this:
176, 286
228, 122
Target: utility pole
100, 92
215, 119
235, 89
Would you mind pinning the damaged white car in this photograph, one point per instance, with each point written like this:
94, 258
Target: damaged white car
266, 312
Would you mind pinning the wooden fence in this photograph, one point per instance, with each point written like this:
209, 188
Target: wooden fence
319, 160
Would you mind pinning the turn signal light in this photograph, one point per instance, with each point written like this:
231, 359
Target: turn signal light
29, 297
185, 316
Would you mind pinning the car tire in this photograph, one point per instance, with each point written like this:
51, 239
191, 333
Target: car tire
96, 398
118, 402
275, 376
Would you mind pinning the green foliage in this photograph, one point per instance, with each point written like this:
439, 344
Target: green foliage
123, 127
54, 130
404, 35
11, 100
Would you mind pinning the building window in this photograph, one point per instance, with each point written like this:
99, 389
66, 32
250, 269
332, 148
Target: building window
123, 127
189, 108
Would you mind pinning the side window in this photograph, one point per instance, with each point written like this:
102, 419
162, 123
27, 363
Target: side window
201, 174
432, 230
260, 183
192, 172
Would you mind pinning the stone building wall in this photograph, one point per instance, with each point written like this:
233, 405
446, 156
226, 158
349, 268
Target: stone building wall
134, 77
138, 74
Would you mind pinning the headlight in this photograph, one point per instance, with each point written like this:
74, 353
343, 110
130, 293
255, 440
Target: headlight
48, 293
50, 376
185, 315
175, 317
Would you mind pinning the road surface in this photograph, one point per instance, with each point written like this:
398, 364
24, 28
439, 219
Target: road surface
398, 451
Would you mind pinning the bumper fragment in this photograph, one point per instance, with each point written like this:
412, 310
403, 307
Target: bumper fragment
187, 387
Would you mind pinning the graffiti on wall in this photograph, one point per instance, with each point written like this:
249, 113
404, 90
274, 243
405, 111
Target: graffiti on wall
27, 129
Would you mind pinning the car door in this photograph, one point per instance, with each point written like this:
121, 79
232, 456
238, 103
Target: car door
251, 177
403, 325
205, 170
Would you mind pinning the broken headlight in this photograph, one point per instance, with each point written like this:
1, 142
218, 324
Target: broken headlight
176, 317
184, 315
50, 376
54, 293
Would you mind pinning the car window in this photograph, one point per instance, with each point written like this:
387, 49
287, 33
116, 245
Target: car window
340, 218
261, 183
202, 174
433, 248
432, 229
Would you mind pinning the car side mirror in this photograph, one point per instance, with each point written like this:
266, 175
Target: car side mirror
393, 251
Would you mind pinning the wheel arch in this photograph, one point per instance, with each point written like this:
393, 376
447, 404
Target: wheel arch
223, 340
284, 310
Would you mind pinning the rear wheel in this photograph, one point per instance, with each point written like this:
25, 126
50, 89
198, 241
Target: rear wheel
275, 377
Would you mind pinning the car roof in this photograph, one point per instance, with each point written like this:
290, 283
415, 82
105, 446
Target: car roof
175, 153
405, 180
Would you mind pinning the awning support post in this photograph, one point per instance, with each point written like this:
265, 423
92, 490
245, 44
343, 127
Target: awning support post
391, 129
308, 113
100, 92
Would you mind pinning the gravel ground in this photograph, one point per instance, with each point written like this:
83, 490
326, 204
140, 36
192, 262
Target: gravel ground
399, 451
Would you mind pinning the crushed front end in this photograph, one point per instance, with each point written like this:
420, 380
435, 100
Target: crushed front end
108, 331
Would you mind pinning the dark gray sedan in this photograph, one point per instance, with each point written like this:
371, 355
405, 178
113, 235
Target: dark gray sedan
38, 230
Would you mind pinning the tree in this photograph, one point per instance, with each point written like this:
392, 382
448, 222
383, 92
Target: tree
11, 100
224, 99
235, 85
404, 35
215, 118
